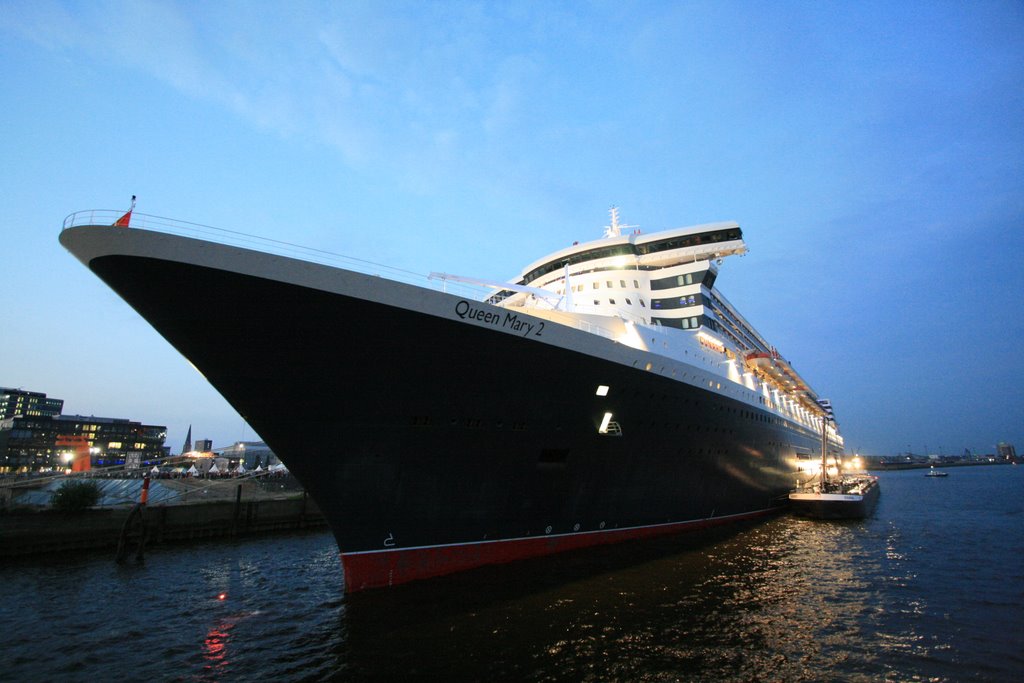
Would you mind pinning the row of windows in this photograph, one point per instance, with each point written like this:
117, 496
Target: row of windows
711, 237
580, 257
678, 302
690, 323
704, 277
610, 284
629, 302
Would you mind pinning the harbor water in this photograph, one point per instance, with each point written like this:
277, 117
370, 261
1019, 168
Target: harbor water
927, 589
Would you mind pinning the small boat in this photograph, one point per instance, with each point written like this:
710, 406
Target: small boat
932, 472
846, 496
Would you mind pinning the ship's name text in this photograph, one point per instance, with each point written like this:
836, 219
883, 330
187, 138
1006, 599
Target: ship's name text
509, 321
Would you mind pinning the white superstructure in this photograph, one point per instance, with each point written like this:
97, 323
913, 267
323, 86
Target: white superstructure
656, 292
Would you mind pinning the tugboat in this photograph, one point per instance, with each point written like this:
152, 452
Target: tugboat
845, 496
932, 472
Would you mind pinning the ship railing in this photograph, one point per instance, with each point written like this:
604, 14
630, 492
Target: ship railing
234, 238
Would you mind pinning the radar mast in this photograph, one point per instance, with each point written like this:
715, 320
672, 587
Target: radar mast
615, 229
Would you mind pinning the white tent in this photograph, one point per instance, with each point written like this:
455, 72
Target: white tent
241, 468
213, 469
279, 467
192, 470
259, 468
155, 470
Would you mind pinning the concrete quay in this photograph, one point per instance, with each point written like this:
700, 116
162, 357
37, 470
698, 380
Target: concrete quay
202, 510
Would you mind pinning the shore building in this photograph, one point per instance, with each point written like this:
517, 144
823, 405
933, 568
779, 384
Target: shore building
36, 437
251, 454
15, 402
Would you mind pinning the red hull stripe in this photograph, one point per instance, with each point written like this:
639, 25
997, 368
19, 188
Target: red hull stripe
377, 569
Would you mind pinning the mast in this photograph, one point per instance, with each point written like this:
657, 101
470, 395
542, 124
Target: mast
615, 229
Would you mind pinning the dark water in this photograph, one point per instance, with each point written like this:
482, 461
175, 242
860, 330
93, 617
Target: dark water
931, 588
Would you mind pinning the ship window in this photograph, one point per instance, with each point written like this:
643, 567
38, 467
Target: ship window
636, 284
628, 302
686, 323
609, 284
622, 283
611, 301
596, 302
597, 285
642, 303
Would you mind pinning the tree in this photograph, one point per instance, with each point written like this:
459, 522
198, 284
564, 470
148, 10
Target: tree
75, 495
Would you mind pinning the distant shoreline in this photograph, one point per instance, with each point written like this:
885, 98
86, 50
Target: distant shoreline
928, 465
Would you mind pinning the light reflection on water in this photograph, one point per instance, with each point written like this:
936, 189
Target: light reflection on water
900, 596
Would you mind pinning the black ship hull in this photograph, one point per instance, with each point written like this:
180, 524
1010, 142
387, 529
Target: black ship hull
438, 433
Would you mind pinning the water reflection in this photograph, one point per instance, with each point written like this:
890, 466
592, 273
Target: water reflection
891, 598
774, 601
215, 648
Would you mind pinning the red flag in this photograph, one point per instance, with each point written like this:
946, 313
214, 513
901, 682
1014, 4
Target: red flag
124, 220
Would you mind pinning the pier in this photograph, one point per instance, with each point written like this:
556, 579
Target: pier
201, 510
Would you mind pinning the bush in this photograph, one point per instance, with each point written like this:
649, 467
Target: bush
73, 496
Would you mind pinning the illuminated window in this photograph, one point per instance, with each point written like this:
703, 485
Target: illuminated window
602, 390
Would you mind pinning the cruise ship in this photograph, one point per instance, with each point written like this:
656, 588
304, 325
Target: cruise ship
611, 392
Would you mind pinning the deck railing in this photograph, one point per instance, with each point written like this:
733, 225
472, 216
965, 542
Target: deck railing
141, 221
170, 226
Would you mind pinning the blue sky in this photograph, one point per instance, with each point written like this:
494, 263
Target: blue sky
872, 153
